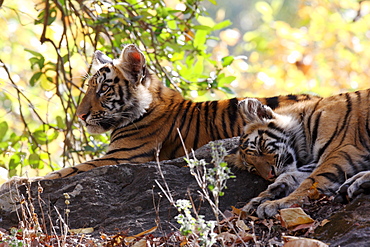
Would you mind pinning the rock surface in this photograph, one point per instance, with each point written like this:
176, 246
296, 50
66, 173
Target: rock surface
127, 197
349, 226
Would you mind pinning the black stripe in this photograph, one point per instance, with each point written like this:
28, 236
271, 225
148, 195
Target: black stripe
104, 69
315, 130
185, 115
171, 130
309, 120
272, 102
207, 118
292, 97
348, 112
196, 137
233, 115
181, 127
350, 162
214, 130
91, 164
186, 130
224, 127
272, 125
329, 176
322, 150
143, 155
75, 170
126, 149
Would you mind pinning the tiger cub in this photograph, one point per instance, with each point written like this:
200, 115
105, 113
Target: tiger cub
322, 144
143, 115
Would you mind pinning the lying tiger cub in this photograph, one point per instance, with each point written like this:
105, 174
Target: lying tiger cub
144, 115
322, 144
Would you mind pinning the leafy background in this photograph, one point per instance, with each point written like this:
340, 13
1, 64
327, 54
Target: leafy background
205, 49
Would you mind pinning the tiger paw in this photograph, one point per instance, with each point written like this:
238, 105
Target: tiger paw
253, 204
271, 208
354, 186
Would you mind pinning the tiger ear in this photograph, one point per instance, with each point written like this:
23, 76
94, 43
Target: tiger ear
132, 63
254, 111
99, 60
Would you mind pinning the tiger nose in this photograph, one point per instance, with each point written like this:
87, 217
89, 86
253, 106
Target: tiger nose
82, 116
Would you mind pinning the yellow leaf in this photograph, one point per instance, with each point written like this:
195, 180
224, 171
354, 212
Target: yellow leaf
238, 212
132, 238
291, 241
242, 225
81, 230
292, 217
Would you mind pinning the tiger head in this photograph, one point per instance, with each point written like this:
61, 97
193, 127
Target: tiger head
270, 144
118, 93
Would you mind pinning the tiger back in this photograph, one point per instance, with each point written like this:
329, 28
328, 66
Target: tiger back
318, 145
144, 116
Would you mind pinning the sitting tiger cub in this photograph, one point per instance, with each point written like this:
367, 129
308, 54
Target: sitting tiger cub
143, 115
322, 144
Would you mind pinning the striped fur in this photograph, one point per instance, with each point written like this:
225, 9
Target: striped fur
313, 145
144, 115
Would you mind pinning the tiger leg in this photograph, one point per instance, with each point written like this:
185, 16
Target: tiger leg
358, 184
326, 179
283, 186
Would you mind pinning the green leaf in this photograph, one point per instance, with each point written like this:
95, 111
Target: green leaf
172, 24
200, 38
60, 122
227, 90
35, 53
35, 78
222, 25
225, 81
223, 164
211, 187
3, 129
14, 161
206, 21
40, 136
202, 27
34, 160
226, 61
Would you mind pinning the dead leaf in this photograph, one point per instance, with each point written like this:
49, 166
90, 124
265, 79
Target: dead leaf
324, 222
313, 193
81, 230
132, 238
291, 241
253, 218
140, 243
239, 212
292, 217
228, 213
226, 237
153, 229
242, 225
244, 237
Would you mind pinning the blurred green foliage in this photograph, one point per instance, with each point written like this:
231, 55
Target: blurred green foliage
278, 47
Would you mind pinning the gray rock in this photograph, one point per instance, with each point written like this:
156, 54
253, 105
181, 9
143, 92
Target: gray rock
127, 197
349, 226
